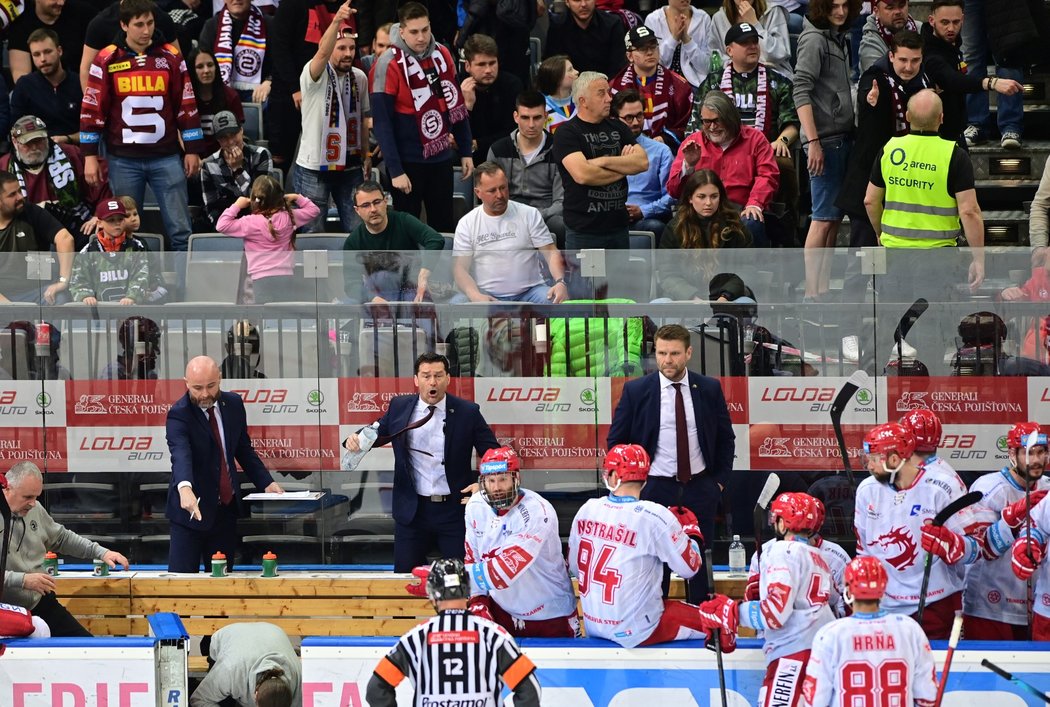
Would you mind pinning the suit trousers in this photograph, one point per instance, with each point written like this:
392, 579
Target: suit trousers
701, 495
437, 525
190, 548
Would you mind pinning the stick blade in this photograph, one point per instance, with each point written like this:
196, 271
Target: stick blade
769, 490
859, 379
957, 505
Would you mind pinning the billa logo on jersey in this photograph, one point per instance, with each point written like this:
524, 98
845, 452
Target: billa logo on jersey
142, 84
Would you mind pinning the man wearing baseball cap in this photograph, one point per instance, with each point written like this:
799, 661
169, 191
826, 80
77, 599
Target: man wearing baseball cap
113, 266
227, 174
666, 96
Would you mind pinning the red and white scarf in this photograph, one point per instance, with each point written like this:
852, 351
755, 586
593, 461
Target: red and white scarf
761, 97
887, 33
436, 97
342, 126
241, 66
899, 101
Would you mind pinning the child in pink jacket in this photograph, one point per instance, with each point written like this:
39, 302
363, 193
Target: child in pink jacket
269, 236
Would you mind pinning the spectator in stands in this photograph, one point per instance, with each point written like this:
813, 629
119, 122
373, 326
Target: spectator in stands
488, 92
883, 94
334, 147
596, 154
142, 137
796, 13
591, 38
685, 44
508, 24
648, 205
106, 29
139, 342
228, 174
243, 351
26, 584
526, 158
765, 101
943, 64
703, 221
113, 266
887, 18
770, 23
667, 97
66, 19
824, 100
52, 176
416, 119
1039, 225
158, 289
238, 36
51, 92
384, 240
380, 43
25, 227
499, 239
554, 79
250, 664
213, 96
740, 155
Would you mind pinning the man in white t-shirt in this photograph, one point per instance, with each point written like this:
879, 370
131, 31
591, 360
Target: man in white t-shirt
500, 239
336, 119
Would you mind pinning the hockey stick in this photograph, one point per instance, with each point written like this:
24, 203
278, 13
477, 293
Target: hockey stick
906, 323
1029, 583
715, 633
5, 513
953, 641
938, 520
838, 406
1016, 680
765, 497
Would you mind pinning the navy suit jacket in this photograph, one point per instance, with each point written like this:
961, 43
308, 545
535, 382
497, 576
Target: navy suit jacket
637, 420
465, 430
195, 456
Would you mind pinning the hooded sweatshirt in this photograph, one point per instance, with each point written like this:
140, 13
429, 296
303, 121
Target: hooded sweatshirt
242, 652
822, 79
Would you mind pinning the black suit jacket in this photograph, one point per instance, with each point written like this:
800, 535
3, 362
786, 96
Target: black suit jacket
195, 456
637, 420
465, 430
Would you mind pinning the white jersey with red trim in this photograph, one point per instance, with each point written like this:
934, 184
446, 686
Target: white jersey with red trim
1040, 534
795, 589
992, 590
836, 557
864, 656
889, 524
516, 558
618, 546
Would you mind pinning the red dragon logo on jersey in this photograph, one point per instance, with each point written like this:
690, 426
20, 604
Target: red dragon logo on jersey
898, 538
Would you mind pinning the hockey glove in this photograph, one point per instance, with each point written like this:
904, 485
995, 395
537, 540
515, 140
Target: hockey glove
479, 606
1027, 554
938, 540
1016, 513
689, 524
751, 591
720, 613
419, 590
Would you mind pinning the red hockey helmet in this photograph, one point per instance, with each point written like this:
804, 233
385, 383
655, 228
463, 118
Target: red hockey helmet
502, 460
926, 427
797, 510
866, 578
629, 461
818, 522
1017, 437
890, 437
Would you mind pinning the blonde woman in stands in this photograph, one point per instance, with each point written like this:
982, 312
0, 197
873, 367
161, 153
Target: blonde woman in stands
554, 80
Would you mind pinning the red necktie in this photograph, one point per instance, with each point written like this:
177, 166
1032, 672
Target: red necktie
681, 436
225, 485
381, 440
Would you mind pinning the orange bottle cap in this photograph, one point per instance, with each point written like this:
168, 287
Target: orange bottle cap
218, 556
269, 555
50, 556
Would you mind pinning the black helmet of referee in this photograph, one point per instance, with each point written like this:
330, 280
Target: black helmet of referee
448, 580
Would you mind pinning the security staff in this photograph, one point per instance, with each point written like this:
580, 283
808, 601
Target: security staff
928, 186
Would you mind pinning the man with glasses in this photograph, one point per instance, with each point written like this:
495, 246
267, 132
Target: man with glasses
666, 96
388, 240
648, 206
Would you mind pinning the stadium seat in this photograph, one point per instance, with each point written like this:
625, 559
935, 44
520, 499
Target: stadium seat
213, 267
640, 273
253, 121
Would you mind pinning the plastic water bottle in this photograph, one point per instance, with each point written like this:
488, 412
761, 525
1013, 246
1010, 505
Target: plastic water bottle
737, 558
365, 438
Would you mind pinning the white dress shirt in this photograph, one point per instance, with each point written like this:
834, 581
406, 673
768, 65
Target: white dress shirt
428, 470
665, 461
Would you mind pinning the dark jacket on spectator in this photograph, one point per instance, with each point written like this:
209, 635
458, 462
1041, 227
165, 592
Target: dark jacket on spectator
538, 183
600, 47
294, 38
1017, 31
493, 113
940, 61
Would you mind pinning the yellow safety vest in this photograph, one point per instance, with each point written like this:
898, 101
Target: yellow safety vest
919, 212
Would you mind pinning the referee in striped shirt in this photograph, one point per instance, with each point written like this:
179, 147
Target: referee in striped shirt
455, 654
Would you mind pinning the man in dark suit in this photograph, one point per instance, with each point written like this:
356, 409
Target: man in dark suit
691, 444
433, 434
203, 505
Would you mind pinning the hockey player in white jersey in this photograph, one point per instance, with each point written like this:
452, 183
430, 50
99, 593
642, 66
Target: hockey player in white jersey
795, 589
1028, 556
893, 518
836, 557
924, 424
995, 602
872, 657
618, 546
